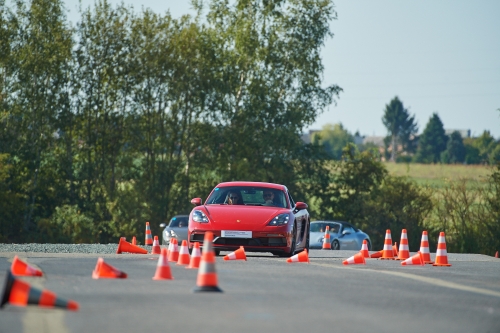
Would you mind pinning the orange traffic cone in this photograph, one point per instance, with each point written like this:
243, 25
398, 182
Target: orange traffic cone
134, 241
387, 252
417, 259
21, 268
364, 249
20, 293
441, 254
300, 257
404, 250
156, 246
237, 255
207, 277
395, 249
195, 256
104, 270
183, 254
377, 254
496, 254
149, 239
163, 268
326, 240
358, 258
125, 246
173, 252
424, 248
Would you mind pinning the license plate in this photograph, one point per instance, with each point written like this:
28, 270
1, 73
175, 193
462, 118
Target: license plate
236, 234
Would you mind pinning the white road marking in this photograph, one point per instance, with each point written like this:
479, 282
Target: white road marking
424, 279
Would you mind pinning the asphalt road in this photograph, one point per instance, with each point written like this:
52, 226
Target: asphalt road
263, 294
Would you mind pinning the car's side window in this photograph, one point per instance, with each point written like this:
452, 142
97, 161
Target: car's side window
348, 228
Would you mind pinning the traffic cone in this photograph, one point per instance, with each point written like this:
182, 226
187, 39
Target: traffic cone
417, 259
326, 240
21, 268
134, 241
125, 246
149, 239
404, 250
395, 249
207, 277
20, 293
156, 246
183, 254
104, 270
163, 268
441, 254
358, 258
377, 254
299, 257
496, 254
173, 253
364, 249
387, 252
237, 255
195, 256
424, 248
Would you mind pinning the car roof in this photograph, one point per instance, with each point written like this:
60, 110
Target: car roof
259, 184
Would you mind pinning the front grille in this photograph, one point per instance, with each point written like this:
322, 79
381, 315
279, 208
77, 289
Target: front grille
264, 241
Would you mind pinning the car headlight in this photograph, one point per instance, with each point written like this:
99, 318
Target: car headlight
173, 234
200, 217
281, 219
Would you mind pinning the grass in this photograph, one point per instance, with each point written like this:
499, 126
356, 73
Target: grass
436, 175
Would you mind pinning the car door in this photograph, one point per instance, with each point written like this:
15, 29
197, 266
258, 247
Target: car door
347, 238
300, 221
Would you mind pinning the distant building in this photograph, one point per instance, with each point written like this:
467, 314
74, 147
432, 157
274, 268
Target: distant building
463, 133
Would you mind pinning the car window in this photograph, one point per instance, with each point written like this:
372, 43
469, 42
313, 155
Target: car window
334, 227
178, 222
316, 227
252, 196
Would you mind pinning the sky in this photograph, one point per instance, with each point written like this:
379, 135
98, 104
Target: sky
437, 56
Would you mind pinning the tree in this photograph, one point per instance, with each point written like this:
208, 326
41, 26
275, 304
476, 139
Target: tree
333, 138
400, 125
432, 142
455, 149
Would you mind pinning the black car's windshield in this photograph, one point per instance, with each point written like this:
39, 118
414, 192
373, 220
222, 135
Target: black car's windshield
245, 195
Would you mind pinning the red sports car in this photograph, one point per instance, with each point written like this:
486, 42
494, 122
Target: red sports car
261, 217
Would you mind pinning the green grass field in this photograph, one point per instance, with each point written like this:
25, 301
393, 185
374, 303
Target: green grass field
436, 175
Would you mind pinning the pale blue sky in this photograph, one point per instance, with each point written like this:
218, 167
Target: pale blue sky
437, 56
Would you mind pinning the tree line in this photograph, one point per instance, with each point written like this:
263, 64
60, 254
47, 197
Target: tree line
403, 144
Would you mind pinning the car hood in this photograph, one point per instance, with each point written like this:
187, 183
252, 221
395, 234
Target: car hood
242, 217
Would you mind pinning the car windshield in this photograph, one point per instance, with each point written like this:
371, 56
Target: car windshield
178, 222
320, 227
246, 195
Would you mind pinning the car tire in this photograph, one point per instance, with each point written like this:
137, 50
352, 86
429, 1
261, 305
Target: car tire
335, 245
294, 243
308, 236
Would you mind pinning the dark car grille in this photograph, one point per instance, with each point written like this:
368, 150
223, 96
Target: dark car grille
263, 241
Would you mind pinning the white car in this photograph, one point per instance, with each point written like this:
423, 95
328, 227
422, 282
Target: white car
176, 228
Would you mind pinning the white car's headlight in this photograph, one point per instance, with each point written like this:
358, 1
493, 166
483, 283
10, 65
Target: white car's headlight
279, 220
200, 217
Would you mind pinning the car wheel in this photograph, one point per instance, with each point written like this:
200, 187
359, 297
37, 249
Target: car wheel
307, 239
335, 245
294, 244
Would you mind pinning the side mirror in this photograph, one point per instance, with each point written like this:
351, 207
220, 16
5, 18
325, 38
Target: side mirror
196, 201
163, 225
300, 205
